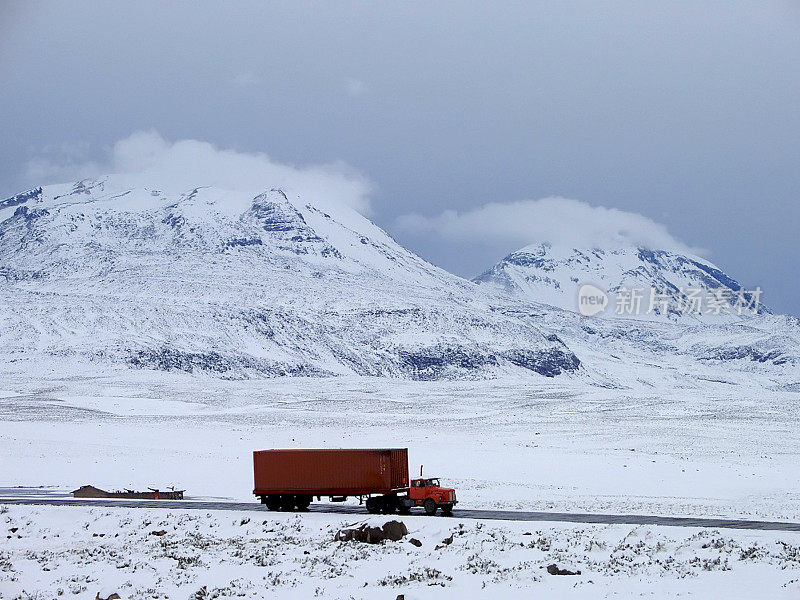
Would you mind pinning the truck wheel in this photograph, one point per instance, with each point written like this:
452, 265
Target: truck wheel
374, 505
447, 510
389, 505
301, 502
272, 501
430, 506
287, 502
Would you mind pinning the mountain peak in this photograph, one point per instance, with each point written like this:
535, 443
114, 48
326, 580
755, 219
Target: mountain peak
118, 273
555, 274
121, 272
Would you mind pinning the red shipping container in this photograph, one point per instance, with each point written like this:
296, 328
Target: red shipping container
330, 472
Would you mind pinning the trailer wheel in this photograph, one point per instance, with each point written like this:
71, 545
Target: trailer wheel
302, 502
287, 502
374, 505
273, 501
403, 509
430, 506
389, 505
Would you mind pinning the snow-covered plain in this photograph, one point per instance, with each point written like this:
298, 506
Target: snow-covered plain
515, 444
518, 444
80, 552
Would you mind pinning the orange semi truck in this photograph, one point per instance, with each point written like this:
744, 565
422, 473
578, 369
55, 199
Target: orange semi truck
290, 479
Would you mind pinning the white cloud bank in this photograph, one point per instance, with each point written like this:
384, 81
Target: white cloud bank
191, 163
559, 221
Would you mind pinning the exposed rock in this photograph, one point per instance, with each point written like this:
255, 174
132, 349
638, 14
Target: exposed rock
159, 533
22, 198
391, 530
554, 570
415, 542
395, 530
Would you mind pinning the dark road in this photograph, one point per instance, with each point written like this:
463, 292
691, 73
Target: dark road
498, 515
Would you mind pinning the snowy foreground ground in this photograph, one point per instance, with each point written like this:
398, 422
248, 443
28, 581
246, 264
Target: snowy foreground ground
80, 552
718, 451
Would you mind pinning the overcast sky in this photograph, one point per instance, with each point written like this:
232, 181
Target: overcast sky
447, 115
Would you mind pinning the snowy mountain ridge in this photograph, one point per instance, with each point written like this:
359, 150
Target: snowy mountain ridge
668, 285
224, 282
118, 273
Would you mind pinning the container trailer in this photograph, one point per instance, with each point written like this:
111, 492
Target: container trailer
291, 479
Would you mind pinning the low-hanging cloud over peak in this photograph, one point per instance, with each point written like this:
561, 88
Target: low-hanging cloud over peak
561, 222
192, 163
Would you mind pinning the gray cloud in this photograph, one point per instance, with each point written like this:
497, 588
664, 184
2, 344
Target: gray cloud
685, 112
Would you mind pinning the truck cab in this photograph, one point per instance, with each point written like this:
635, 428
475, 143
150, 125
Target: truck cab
428, 493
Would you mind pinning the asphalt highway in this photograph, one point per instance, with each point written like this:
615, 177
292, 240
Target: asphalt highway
349, 509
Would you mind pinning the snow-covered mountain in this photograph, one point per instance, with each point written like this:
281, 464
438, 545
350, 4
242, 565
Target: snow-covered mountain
640, 282
118, 272
701, 325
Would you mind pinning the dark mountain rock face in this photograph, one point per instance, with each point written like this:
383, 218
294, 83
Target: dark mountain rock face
22, 198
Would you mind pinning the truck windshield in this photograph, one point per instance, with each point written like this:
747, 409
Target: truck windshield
432, 482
